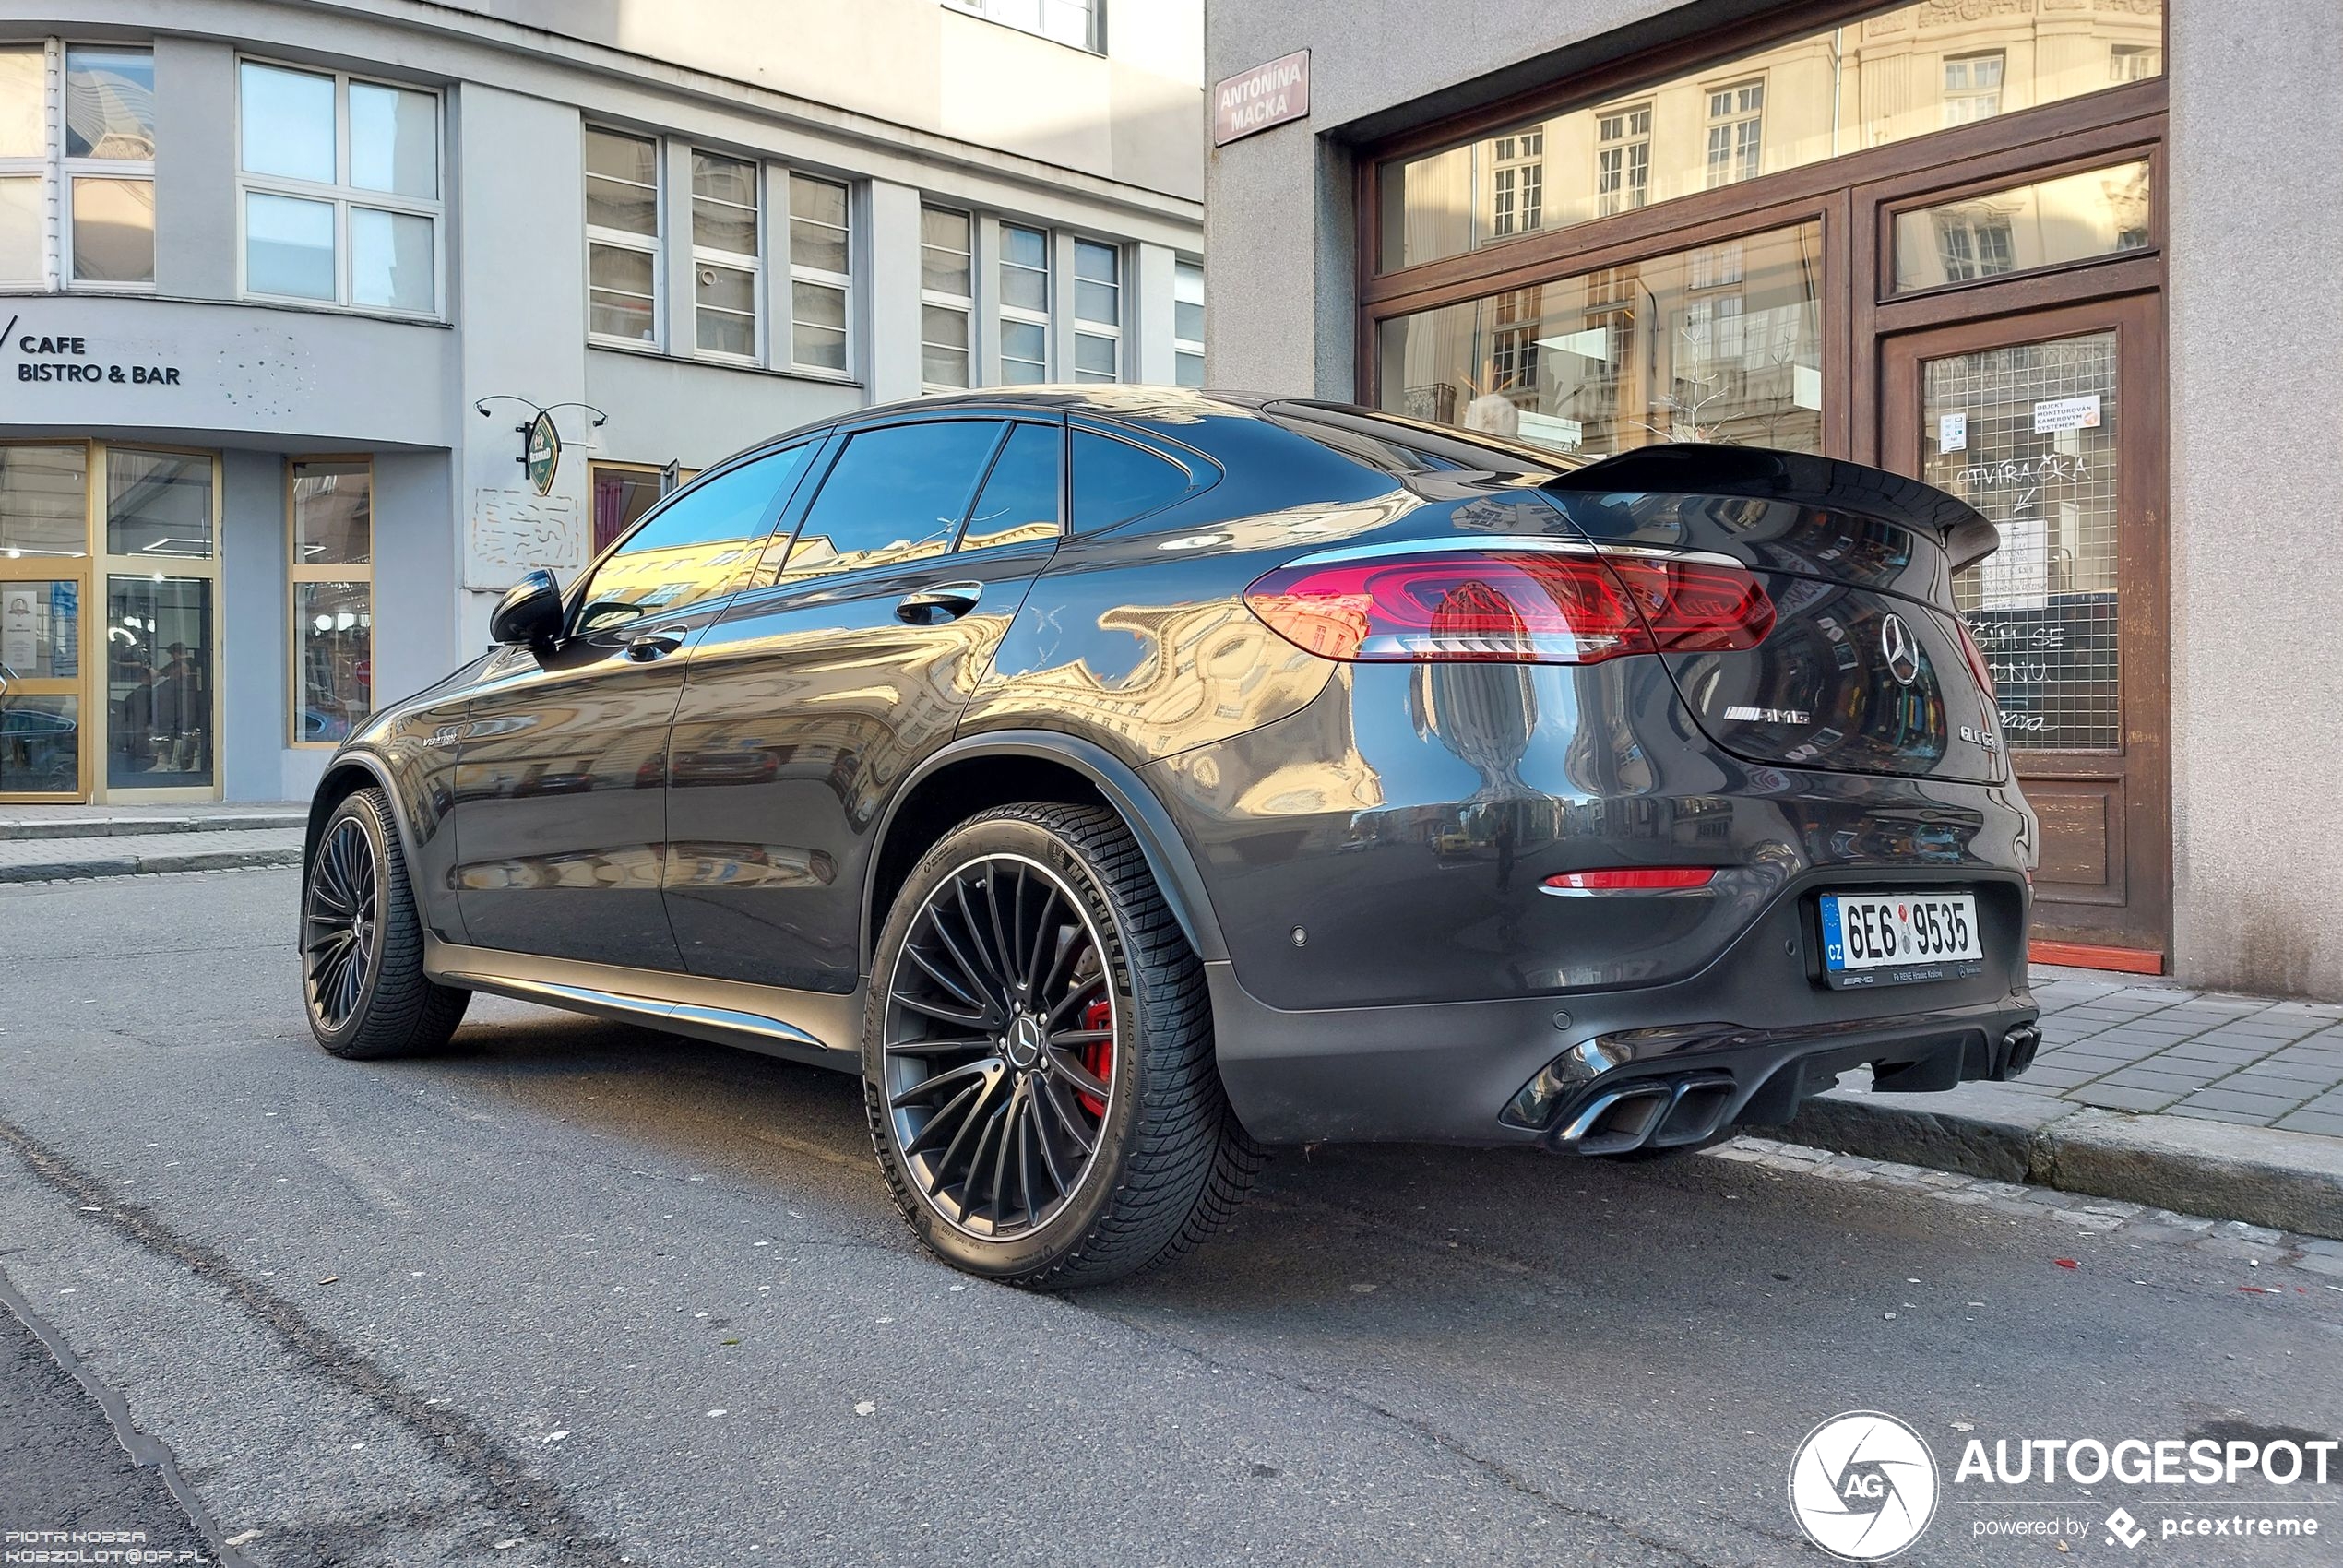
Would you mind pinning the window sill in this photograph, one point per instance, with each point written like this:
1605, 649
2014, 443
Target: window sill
710, 362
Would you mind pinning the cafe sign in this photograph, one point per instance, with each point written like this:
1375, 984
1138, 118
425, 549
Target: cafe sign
1265, 96
68, 356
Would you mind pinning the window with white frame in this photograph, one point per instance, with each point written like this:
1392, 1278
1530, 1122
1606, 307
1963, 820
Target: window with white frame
1098, 312
1622, 159
820, 265
726, 254
77, 166
1973, 86
1736, 133
621, 236
1081, 23
947, 298
1025, 306
1187, 323
339, 191
1518, 182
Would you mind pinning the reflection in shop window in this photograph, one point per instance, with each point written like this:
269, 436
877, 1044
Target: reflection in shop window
1736, 133
2046, 223
1904, 71
1973, 87
1517, 201
1719, 343
333, 598
1623, 160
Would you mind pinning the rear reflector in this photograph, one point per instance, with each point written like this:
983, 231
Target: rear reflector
1632, 879
1514, 606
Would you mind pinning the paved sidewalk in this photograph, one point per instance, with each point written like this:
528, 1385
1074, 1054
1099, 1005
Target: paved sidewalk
130, 854
19, 822
2143, 1092
2122, 1045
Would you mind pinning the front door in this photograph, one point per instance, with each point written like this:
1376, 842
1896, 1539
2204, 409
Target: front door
561, 777
2051, 424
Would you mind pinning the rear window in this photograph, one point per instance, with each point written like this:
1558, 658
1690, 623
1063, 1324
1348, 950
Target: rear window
1114, 480
1402, 446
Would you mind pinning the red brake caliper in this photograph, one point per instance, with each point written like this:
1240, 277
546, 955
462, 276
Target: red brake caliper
1098, 1056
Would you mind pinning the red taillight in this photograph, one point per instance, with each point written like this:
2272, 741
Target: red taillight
1976, 665
1632, 879
1512, 606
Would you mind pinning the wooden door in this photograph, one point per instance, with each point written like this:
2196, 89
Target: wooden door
2051, 423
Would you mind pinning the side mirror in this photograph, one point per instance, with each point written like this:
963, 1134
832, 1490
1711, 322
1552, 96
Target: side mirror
529, 612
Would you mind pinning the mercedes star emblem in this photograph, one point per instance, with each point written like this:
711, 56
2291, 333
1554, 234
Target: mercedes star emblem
1903, 653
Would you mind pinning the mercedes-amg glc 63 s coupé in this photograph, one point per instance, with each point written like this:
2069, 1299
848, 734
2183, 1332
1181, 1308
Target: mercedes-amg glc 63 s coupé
1122, 780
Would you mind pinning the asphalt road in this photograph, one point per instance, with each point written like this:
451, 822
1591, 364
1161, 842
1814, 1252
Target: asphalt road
573, 1293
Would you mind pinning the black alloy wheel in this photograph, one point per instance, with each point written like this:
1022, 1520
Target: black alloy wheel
999, 1045
340, 926
1038, 1056
361, 945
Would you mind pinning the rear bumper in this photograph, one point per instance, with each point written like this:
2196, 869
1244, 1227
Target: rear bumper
1740, 1043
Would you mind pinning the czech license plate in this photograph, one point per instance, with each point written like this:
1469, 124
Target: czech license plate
1895, 938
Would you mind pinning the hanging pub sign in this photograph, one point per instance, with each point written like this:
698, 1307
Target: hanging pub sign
545, 451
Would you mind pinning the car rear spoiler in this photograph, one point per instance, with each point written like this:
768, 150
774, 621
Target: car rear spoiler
1699, 469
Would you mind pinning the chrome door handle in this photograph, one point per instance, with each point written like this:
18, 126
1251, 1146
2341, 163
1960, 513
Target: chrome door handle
644, 646
945, 601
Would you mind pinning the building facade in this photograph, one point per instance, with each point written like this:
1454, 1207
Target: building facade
2036, 251
286, 285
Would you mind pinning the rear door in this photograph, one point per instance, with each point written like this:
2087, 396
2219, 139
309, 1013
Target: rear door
560, 772
825, 682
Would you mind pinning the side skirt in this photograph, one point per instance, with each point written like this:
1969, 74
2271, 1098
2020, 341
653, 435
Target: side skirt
815, 1027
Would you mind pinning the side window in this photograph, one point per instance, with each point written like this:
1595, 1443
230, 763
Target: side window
896, 493
695, 549
1019, 501
1114, 480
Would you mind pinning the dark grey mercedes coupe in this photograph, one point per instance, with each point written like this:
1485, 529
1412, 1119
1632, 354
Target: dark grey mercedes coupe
1120, 779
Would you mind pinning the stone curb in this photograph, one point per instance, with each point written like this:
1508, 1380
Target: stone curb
2288, 1180
134, 865
109, 827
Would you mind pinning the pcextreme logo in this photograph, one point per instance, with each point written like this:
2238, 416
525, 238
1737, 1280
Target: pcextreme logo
1863, 1486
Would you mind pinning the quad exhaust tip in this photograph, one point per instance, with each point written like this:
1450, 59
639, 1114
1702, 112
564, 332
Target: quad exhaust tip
1650, 1113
